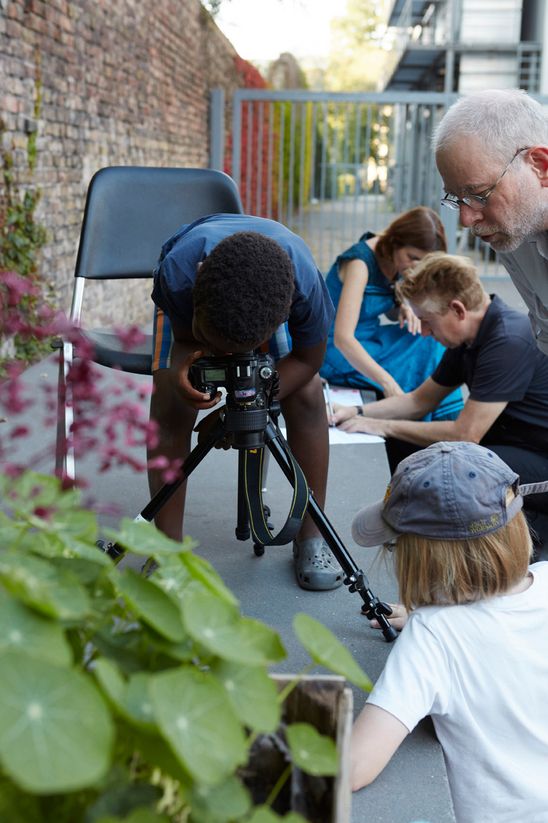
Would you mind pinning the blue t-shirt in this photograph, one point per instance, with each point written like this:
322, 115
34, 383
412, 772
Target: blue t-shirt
503, 364
311, 312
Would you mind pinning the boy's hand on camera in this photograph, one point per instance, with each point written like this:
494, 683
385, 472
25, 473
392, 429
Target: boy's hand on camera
397, 619
197, 399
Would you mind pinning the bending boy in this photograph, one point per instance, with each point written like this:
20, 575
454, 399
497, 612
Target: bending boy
228, 283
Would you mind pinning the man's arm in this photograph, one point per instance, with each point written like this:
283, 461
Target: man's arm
409, 406
376, 736
471, 425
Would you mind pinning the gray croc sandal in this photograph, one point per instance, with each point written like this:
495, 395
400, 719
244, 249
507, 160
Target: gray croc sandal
315, 566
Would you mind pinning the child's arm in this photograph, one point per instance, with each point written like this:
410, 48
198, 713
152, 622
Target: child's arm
376, 735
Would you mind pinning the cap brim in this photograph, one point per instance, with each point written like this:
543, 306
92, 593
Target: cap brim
369, 527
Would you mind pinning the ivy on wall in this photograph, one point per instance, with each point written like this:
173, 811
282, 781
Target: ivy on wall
21, 238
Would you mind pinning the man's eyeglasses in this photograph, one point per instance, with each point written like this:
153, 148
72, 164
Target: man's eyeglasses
477, 201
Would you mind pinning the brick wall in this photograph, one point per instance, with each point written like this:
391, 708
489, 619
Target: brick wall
122, 82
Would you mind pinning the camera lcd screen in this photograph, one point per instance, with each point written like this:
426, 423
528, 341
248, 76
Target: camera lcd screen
215, 374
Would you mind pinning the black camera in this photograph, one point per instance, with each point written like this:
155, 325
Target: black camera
251, 381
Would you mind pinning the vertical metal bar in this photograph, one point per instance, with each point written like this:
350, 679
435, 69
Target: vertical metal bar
236, 139
270, 167
291, 173
367, 155
302, 171
217, 129
259, 164
281, 163
356, 156
323, 172
313, 198
248, 164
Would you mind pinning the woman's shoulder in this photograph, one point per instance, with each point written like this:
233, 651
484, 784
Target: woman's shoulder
359, 250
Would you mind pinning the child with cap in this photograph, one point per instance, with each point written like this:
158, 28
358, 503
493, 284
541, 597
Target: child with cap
473, 652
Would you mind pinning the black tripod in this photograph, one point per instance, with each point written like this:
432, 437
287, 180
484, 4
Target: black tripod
250, 430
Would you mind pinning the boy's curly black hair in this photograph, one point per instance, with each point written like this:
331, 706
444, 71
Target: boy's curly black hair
244, 288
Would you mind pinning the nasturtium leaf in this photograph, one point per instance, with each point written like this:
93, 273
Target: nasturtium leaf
39, 584
263, 814
142, 538
324, 648
311, 751
110, 680
196, 718
137, 700
25, 629
220, 804
203, 572
252, 694
220, 629
152, 604
56, 732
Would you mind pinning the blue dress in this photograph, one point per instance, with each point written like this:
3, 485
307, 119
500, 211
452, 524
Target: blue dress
409, 358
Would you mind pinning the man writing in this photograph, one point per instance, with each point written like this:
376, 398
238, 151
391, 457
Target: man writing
492, 153
491, 350
227, 284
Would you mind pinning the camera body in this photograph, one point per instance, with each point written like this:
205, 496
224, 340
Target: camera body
248, 378
251, 381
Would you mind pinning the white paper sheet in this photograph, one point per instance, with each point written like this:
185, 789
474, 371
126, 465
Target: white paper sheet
348, 397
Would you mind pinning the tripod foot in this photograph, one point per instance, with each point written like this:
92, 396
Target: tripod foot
258, 549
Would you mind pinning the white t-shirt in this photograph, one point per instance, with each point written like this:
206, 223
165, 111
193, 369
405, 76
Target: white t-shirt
481, 671
528, 268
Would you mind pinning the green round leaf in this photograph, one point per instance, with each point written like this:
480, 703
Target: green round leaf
203, 572
55, 730
22, 628
324, 648
195, 717
263, 814
54, 592
252, 694
142, 538
220, 804
219, 627
153, 605
311, 751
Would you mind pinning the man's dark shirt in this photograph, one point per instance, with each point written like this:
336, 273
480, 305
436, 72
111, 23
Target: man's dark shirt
503, 364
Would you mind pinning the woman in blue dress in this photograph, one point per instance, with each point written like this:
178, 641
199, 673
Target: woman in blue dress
362, 352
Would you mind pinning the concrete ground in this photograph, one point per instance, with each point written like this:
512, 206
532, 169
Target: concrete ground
414, 785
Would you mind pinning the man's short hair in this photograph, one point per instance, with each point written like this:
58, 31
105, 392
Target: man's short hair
244, 288
438, 279
504, 120
447, 572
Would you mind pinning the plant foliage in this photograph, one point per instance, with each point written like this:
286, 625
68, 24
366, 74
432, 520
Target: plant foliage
126, 698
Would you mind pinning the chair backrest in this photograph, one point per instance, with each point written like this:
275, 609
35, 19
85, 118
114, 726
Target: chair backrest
132, 210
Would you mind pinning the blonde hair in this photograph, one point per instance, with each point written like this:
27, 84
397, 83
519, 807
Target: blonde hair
447, 572
438, 279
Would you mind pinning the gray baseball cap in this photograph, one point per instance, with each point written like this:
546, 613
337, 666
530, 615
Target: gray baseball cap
450, 490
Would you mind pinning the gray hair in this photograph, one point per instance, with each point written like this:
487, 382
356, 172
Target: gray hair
504, 120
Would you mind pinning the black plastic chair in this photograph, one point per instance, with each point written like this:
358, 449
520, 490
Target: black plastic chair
130, 212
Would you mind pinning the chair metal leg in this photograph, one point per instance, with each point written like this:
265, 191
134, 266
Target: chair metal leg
64, 448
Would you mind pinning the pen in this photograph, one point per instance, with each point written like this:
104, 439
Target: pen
327, 395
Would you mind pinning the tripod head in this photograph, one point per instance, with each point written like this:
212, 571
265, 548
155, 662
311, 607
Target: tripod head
251, 383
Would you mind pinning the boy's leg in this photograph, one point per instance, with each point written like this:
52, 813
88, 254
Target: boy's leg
175, 420
308, 437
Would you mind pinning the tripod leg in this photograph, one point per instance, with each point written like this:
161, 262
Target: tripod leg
355, 578
243, 531
194, 458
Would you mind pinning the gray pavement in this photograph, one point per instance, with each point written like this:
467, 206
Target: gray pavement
414, 785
